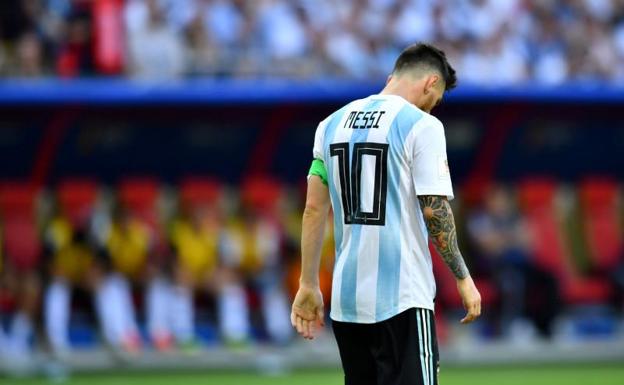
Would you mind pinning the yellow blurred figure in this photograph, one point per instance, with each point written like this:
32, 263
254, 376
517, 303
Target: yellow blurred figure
195, 239
254, 243
71, 255
197, 248
128, 246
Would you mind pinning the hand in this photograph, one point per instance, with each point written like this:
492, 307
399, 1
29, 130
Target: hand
470, 298
307, 311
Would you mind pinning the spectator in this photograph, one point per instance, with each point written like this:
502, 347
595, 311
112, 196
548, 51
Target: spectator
29, 57
204, 56
156, 50
76, 52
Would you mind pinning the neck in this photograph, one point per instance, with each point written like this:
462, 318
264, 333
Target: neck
395, 88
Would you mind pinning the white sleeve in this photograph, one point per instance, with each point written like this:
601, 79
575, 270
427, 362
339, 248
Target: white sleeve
430, 171
317, 151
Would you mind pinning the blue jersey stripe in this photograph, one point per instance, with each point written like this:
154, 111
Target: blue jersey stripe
389, 265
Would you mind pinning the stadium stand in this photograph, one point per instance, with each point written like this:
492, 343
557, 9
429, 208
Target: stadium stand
518, 40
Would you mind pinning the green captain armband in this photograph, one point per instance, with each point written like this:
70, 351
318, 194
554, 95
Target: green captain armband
318, 169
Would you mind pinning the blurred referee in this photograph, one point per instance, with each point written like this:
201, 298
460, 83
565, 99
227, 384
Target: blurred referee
380, 163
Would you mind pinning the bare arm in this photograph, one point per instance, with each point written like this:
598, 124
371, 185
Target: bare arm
441, 227
313, 230
307, 308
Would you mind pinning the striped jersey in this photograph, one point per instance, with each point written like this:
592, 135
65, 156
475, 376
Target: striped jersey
380, 153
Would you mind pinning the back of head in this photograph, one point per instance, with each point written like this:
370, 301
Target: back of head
421, 58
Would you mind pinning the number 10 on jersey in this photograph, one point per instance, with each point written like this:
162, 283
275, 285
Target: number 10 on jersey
351, 181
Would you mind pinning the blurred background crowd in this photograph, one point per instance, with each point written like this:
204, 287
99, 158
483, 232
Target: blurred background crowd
140, 254
141, 265
490, 42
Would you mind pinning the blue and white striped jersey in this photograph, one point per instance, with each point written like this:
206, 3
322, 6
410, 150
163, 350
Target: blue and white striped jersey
381, 152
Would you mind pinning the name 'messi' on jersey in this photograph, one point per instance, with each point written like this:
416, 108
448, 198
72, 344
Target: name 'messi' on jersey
380, 154
364, 119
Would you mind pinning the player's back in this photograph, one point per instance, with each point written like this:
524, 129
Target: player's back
380, 152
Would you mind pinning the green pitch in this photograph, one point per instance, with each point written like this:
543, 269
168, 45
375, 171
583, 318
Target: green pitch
611, 374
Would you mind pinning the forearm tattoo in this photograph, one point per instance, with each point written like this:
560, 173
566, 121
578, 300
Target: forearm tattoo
441, 226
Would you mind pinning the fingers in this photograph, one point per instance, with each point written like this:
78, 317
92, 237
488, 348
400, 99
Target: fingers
474, 311
307, 327
300, 325
308, 330
304, 328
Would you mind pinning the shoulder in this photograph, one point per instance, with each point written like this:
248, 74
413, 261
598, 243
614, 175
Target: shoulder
429, 124
410, 115
427, 133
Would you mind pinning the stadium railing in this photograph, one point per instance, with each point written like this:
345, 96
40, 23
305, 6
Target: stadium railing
277, 90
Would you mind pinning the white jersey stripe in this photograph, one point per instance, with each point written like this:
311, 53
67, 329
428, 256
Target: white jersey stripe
421, 341
429, 346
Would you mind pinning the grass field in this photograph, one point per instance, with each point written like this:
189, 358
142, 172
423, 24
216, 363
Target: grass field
611, 374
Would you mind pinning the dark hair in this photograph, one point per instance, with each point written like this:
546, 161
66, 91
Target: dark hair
426, 55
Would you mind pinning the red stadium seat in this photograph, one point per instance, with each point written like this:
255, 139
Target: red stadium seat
21, 239
600, 209
77, 198
17, 198
140, 196
474, 191
262, 193
549, 248
199, 191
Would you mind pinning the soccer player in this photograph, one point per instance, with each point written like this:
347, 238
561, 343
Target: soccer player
380, 162
253, 247
195, 236
74, 263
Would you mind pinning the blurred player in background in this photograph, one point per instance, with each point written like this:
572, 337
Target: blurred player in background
195, 238
254, 247
127, 246
71, 263
501, 249
19, 295
381, 163
97, 255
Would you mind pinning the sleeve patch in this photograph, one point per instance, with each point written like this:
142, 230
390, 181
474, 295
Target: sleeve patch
443, 167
